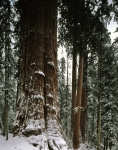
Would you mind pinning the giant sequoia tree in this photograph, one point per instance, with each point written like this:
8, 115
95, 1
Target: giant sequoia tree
37, 106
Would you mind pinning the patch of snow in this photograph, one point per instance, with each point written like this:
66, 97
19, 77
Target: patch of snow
77, 108
22, 143
15, 143
30, 77
40, 72
33, 63
53, 108
33, 125
16, 123
51, 63
50, 95
38, 96
39, 140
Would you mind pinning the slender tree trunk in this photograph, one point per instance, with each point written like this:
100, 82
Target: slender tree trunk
6, 77
76, 138
6, 115
74, 72
73, 91
84, 100
6, 93
99, 96
18, 77
67, 101
99, 107
99, 128
104, 143
78, 103
83, 114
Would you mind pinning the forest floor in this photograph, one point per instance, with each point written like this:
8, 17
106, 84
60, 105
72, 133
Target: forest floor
20, 143
17, 143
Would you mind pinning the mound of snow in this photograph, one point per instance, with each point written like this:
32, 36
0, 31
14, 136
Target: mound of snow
15, 143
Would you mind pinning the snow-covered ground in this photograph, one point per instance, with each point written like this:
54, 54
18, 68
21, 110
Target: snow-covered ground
16, 143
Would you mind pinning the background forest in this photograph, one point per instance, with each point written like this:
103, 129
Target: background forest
87, 71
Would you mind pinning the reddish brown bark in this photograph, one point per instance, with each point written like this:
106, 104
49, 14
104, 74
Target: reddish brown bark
78, 103
83, 115
84, 100
37, 112
30, 93
50, 48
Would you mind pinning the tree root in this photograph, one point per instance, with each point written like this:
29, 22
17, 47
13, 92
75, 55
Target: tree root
56, 145
52, 143
51, 139
54, 136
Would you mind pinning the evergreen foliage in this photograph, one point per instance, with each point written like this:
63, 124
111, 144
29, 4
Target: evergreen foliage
108, 98
64, 94
7, 68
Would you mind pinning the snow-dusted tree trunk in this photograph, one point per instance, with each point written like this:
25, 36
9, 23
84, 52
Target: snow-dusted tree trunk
37, 112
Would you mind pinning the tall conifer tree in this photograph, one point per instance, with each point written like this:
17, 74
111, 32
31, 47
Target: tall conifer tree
38, 109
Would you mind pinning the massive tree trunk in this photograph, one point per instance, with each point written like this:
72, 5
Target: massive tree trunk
37, 113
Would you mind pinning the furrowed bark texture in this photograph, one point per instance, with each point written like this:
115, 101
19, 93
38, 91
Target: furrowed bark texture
37, 113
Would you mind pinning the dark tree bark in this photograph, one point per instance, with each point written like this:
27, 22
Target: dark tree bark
37, 112
74, 86
7, 70
67, 98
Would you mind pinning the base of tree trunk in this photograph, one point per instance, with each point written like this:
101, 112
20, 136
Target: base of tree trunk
45, 142
51, 139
